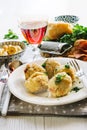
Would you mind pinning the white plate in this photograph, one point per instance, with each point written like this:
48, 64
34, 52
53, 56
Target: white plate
16, 86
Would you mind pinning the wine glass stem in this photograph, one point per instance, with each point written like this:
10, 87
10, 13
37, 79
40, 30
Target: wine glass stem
35, 51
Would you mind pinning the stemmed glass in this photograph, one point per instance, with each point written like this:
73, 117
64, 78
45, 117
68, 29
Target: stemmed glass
33, 29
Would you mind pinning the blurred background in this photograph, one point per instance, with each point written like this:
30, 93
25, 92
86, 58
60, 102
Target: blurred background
10, 10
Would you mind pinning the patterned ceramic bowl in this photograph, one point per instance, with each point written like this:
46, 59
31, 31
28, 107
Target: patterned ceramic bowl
67, 18
11, 57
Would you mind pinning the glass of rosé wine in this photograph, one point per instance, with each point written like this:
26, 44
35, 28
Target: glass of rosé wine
33, 28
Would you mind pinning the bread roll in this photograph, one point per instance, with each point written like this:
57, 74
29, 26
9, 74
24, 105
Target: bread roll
57, 29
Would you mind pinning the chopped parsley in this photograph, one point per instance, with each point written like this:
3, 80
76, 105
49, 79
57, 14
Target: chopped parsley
44, 65
67, 66
76, 89
59, 78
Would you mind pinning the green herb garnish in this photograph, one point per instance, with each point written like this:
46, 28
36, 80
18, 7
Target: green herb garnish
76, 89
79, 32
10, 35
44, 65
59, 78
26, 43
67, 66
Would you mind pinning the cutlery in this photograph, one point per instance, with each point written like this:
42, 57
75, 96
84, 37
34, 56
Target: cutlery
1, 89
3, 79
10, 67
6, 103
79, 71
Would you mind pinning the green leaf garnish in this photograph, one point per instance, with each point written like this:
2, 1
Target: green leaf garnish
59, 78
79, 32
67, 66
44, 65
76, 89
10, 35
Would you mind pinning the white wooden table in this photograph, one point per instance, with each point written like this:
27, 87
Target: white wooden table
42, 123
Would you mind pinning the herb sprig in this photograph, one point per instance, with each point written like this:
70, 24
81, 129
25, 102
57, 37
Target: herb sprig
59, 78
44, 65
67, 66
76, 89
10, 35
79, 32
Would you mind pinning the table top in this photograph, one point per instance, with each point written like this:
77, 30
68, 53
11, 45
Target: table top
42, 123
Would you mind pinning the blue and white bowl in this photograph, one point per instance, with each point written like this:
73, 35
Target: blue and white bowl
10, 58
67, 18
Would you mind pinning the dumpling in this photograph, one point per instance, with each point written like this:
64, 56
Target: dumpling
50, 65
37, 82
30, 69
3, 52
11, 50
19, 49
66, 68
60, 85
5, 47
56, 30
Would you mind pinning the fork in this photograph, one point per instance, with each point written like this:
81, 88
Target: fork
79, 71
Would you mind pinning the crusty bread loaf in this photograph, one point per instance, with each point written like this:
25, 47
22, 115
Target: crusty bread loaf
56, 29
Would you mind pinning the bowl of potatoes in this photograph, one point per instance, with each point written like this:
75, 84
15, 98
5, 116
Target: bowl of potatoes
11, 50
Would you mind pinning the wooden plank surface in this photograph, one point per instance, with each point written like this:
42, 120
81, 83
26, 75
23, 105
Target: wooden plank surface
42, 123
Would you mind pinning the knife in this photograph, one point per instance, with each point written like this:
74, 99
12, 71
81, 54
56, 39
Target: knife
6, 103
11, 67
1, 89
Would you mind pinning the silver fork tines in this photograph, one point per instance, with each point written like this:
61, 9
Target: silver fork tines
75, 64
79, 72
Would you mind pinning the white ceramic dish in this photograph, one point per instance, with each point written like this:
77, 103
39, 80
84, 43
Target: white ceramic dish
16, 86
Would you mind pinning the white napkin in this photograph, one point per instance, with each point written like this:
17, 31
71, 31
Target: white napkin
1, 89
